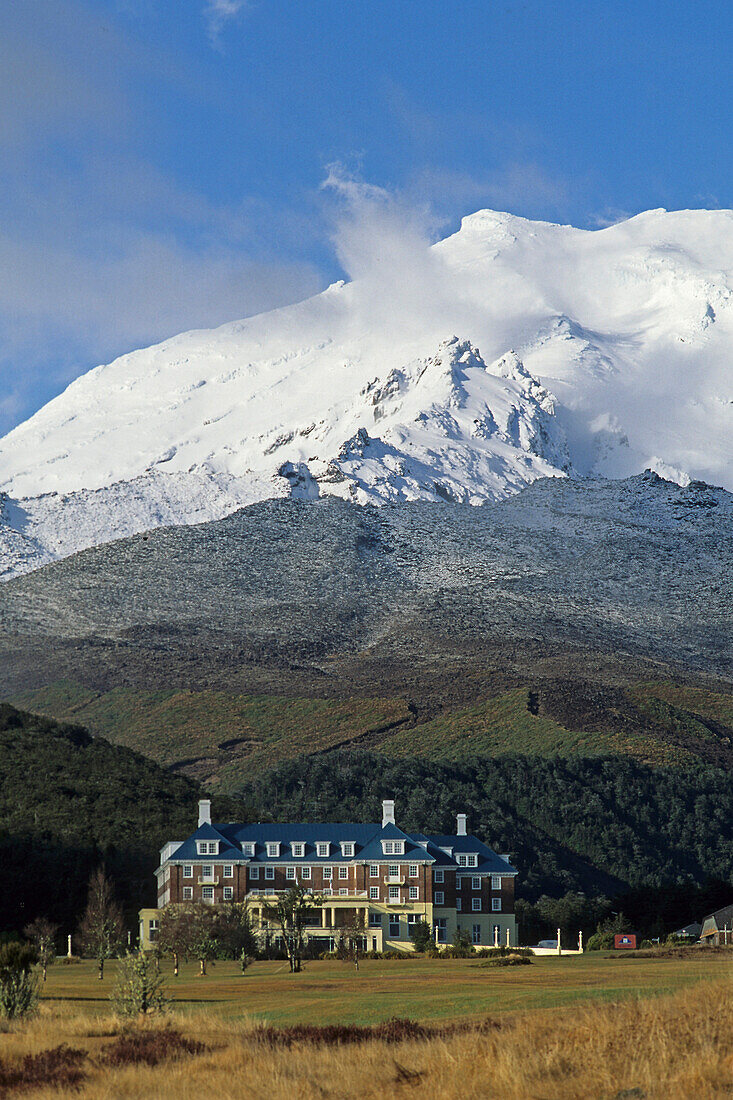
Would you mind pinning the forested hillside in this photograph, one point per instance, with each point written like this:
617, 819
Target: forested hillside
600, 825
69, 801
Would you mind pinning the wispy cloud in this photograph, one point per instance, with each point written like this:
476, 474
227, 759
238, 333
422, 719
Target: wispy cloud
217, 14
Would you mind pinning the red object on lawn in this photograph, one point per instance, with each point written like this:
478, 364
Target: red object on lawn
624, 939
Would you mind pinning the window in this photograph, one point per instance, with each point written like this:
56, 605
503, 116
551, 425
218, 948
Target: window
269, 872
228, 870
207, 847
476, 934
472, 860
439, 897
413, 918
253, 872
298, 850
375, 920
343, 872
441, 930
273, 849
394, 893
459, 882
413, 893
343, 891
153, 930
248, 848
289, 872
393, 847
413, 870
476, 882
305, 872
394, 928
188, 893
323, 848
393, 870
476, 905
347, 848
439, 876
207, 870
228, 893
188, 870
458, 905
373, 870
463, 861
496, 905
374, 893
327, 872
207, 893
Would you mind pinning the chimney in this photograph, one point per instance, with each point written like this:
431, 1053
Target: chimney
461, 824
388, 812
204, 812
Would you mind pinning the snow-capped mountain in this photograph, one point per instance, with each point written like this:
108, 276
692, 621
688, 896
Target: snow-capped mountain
510, 351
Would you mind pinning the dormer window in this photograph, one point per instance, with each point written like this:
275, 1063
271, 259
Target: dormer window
472, 859
347, 848
323, 848
207, 847
298, 850
463, 861
273, 849
449, 852
248, 848
393, 847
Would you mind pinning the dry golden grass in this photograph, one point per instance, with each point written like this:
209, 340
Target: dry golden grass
679, 1047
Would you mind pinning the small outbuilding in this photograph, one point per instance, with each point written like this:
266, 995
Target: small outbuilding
718, 927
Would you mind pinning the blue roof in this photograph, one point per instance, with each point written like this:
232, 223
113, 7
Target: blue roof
367, 840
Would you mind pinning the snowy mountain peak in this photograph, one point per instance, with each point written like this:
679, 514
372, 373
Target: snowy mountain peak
601, 353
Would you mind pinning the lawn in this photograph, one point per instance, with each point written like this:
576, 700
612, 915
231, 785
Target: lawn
424, 989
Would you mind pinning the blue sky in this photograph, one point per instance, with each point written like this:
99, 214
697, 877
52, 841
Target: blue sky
163, 160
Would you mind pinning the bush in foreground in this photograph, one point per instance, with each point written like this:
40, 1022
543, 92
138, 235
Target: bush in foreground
139, 988
19, 985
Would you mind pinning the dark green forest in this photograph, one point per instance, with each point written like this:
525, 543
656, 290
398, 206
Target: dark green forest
598, 824
70, 801
654, 841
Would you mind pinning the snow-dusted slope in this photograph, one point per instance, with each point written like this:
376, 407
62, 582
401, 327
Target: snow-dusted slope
576, 352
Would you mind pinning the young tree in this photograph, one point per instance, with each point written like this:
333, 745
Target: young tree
139, 988
102, 928
42, 934
351, 938
19, 986
290, 913
233, 933
421, 936
175, 933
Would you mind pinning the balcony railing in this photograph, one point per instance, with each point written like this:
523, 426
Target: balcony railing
208, 881
395, 880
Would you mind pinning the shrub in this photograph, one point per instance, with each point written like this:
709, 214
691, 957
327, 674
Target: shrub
19, 986
57, 1068
149, 1047
507, 960
421, 936
396, 1030
139, 987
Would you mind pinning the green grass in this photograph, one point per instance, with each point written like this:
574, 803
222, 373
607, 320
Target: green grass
424, 989
226, 734
504, 725
171, 726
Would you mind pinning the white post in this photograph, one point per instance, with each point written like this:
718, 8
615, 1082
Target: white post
496, 935
559, 945
580, 940
508, 940
68, 946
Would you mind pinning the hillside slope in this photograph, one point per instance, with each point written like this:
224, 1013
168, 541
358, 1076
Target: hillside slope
547, 623
510, 351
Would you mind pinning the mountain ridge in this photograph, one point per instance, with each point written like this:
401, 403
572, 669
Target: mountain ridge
578, 353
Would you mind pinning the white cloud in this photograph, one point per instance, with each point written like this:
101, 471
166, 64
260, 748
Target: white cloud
218, 13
